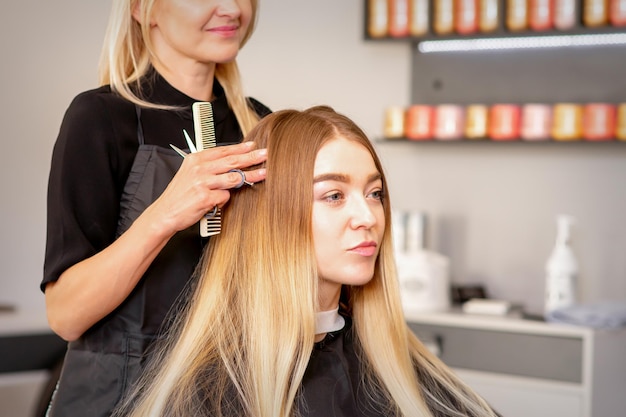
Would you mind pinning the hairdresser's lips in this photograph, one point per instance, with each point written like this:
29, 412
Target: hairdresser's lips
365, 249
226, 31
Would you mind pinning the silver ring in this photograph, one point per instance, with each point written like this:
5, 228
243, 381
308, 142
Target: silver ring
212, 213
243, 178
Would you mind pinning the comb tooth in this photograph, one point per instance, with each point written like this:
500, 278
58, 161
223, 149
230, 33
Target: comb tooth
211, 225
203, 125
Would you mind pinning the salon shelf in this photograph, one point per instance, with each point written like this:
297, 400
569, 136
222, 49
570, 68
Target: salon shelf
500, 32
486, 142
607, 30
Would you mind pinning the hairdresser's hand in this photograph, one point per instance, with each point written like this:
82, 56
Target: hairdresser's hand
91, 289
203, 182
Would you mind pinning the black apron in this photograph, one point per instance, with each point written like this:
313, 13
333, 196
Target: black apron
105, 362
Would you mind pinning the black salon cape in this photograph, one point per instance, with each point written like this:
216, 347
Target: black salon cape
332, 385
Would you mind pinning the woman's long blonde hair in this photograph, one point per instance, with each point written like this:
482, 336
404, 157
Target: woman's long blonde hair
243, 341
127, 54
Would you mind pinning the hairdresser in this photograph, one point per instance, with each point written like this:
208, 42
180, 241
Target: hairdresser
123, 207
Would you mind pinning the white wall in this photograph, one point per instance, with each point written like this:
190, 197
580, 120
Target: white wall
49, 53
492, 209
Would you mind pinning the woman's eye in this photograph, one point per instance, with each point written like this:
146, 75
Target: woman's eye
334, 197
378, 194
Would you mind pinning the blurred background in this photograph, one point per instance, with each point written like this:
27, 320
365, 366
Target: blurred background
491, 207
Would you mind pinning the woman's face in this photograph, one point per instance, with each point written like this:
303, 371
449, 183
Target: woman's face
205, 31
348, 217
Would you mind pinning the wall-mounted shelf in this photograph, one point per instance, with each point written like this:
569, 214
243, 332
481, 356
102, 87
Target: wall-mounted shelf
590, 74
501, 29
519, 142
607, 30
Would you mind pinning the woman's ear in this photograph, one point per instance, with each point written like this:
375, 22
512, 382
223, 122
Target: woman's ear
136, 11
137, 14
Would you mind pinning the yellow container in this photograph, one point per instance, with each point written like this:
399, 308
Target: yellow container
517, 15
595, 13
489, 13
443, 17
476, 121
394, 122
418, 17
567, 122
378, 19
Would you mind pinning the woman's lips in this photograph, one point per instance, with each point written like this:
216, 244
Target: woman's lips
365, 249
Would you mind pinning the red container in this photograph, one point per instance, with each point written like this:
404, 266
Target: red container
599, 121
399, 18
419, 122
504, 122
466, 16
541, 14
617, 12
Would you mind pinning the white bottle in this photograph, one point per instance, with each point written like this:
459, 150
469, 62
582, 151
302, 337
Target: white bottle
561, 269
423, 274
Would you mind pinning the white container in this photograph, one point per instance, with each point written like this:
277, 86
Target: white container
424, 275
561, 269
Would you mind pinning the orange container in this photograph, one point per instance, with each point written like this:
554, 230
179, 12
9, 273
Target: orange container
504, 122
418, 124
567, 122
599, 121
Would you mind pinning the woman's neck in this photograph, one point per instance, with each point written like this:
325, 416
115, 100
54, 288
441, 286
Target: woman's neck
195, 81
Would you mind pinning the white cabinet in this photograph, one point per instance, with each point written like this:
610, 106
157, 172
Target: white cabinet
532, 368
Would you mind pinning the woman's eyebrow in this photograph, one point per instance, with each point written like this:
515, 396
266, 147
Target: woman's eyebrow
331, 177
343, 177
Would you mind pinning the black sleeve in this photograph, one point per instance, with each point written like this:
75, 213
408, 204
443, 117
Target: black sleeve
261, 109
84, 185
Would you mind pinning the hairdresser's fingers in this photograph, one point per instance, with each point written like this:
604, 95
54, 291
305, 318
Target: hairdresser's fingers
226, 162
240, 178
220, 152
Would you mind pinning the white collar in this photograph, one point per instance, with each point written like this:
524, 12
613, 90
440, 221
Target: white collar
328, 321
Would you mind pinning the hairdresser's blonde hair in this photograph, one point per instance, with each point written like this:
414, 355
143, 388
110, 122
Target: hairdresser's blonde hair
246, 336
127, 54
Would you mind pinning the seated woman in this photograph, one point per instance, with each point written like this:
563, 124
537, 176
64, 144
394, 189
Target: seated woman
297, 310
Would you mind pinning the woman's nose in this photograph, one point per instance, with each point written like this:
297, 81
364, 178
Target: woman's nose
228, 8
362, 214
